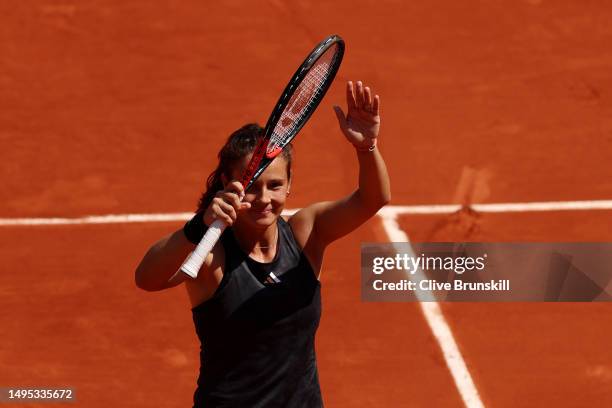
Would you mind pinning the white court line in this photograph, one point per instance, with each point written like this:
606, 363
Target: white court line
437, 323
106, 219
98, 219
501, 207
390, 210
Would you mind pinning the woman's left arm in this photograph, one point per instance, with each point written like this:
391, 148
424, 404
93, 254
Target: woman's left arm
330, 220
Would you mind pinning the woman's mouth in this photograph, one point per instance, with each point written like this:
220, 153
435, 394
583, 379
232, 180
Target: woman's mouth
262, 212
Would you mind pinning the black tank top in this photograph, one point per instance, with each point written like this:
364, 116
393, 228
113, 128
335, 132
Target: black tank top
257, 331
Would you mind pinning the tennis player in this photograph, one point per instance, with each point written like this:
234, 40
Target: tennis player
256, 301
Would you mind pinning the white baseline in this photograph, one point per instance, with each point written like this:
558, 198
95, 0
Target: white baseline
390, 210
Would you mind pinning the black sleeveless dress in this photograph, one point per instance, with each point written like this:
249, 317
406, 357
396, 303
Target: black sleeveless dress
257, 331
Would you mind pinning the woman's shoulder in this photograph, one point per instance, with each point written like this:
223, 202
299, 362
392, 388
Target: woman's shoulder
302, 221
301, 224
297, 224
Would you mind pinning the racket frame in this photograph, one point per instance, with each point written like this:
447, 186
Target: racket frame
260, 161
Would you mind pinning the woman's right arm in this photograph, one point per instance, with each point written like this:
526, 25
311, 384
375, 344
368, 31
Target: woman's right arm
158, 269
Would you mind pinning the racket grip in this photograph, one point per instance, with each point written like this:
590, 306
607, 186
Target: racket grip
195, 260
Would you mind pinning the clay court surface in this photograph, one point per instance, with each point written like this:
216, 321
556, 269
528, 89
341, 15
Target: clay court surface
120, 108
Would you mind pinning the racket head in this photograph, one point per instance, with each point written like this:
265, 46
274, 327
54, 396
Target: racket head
297, 103
303, 93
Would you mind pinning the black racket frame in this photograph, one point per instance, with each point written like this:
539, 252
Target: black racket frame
284, 99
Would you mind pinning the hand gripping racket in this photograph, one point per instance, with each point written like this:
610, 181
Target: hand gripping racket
298, 101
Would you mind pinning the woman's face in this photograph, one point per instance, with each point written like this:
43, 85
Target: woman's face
267, 195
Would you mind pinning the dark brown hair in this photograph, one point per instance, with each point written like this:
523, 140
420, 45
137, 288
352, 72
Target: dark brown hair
239, 144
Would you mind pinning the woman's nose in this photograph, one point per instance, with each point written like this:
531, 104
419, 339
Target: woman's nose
263, 196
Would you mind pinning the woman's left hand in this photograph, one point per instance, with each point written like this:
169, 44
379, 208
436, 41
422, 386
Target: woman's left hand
362, 122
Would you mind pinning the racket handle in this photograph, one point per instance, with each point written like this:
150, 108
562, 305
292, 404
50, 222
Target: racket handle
195, 260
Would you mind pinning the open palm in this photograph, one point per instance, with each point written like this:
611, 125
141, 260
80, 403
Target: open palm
362, 122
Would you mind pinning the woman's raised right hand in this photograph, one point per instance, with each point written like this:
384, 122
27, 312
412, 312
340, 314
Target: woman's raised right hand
226, 204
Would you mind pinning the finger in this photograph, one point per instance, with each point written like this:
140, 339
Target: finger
235, 187
368, 99
350, 96
226, 210
245, 205
359, 95
218, 214
340, 116
226, 196
376, 105
232, 199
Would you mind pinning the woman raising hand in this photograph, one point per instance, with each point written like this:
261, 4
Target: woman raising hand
256, 301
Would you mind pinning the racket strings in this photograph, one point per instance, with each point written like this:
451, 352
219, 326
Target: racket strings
301, 102
304, 100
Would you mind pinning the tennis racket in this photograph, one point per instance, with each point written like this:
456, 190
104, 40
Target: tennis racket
297, 103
